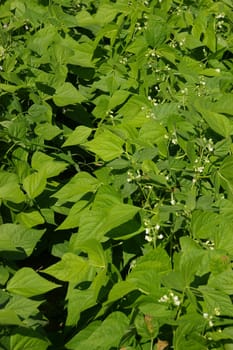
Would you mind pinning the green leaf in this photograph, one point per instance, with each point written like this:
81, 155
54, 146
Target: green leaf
47, 131
28, 339
118, 98
73, 218
120, 289
9, 317
105, 14
156, 33
96, 223
106, 145
10, 88
34, 184
85, 20
226, 168
191, 259
78, 301
22, 306
18, 239
4, 275
204, 224
71, 268
67, 94
218, 122
27, 283
187, 333
98, 338
222, 281
30, 219
149, 269
83, 52
47, 165
223, 237
40, 113
94, 249
9, 188
42, 39
216, 300
77, 187
78, 136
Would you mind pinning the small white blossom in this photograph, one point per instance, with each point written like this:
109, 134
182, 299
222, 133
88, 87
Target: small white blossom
209, 318
171, 299
164, 299
220, 15
160, 236
133, 264
148, 238
176, 300
199, 169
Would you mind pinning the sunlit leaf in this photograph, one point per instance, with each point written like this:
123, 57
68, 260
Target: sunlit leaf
27, 283
67, 94
99, 337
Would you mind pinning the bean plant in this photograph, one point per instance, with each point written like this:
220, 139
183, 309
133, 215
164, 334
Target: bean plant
116, 175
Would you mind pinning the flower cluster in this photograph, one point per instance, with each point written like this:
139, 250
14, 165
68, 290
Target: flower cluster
171, 299
209, 244
210, 318
220, 20
152, 231
131, 176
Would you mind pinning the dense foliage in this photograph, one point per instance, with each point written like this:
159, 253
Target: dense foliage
116, 178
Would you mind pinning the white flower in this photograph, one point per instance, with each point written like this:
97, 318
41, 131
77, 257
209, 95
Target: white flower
164, 299
199, 169
148, 238
133, 264
220, 15
176, 300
